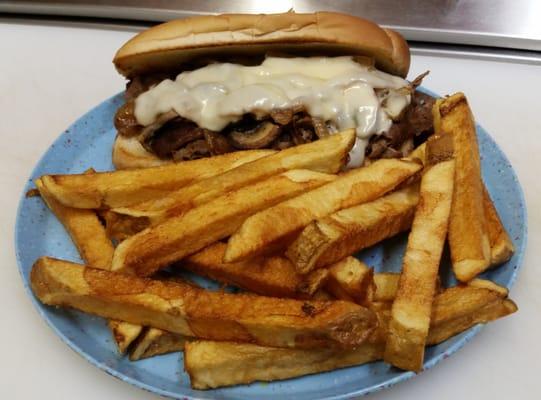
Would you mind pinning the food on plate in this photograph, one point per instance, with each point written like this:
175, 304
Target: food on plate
266, 161
327, 155
124, 188
349, 280
461, 307
501, 245
154, 342
468, 234
269, 276
190, 311
331, 238
216, 364
204, 86
410, 316
84, 228
88, 236
276, 227
178, 237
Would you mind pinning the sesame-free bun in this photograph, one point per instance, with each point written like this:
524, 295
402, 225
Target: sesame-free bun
169, 45
129, 153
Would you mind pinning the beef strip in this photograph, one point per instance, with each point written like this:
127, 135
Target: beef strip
172, 136
416, 121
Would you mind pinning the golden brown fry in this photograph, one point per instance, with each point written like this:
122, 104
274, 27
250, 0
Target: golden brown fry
412, 306
501, 245
216, 364
154, 342
326, 155
178, 237
84, 228
349, 279
88, 235
124, 333
127, 187
385, 286
332, 238
486, 284
190, 311
269, 276
277, 226
461, 307
468, 235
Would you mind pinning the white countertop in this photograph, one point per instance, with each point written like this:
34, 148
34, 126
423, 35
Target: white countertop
49, 76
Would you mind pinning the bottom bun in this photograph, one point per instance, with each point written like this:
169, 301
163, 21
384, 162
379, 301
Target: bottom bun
129, 153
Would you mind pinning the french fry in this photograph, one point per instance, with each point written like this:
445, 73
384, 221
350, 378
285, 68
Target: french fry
501, 245
84, 228
124, 333
276, 227
461, 307
332, 238
486, 284
327, 155
127, 187
88, 235
154, 342
269, 276
412, 306
190, 311
385, 286
349, 280
216, 364
178, 237
468, 234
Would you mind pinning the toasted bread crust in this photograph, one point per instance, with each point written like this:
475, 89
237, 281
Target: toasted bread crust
176, 42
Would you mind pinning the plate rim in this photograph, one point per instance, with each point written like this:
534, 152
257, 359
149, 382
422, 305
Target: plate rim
402, 377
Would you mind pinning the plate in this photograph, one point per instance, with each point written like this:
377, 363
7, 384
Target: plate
88, 143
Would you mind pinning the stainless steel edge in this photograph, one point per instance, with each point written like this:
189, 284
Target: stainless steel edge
489, 23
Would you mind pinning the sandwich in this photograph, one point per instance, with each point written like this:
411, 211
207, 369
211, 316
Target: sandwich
210, 85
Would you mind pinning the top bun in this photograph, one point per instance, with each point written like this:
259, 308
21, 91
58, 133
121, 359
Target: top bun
174, 43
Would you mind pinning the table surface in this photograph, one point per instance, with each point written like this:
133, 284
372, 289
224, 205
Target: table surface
50, 75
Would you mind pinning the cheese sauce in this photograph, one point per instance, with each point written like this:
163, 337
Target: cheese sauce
337, 90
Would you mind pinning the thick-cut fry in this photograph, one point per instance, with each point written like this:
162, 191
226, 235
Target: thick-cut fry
349, 280
332, 238
277, 226
326, 155
84, 228
190, 311
127, 187
124, 333
468, 235
95, 248
385, 286
486, 284
215, 364
412, 306
154, 342
501, 245
461, 307
178, 237
268, 276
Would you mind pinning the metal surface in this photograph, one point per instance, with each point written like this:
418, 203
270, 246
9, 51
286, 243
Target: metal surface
493, 23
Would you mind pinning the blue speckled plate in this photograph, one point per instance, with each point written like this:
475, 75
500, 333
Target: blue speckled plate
87, 143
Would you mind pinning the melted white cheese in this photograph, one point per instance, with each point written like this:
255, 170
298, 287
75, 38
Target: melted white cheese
338, 90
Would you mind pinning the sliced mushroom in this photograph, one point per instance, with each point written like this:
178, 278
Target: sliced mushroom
125, 122
259, 137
